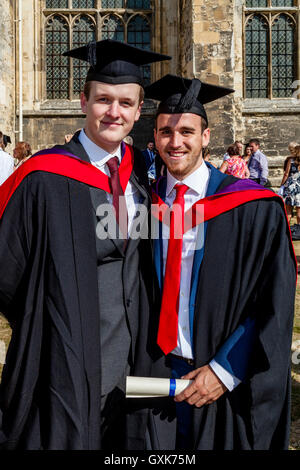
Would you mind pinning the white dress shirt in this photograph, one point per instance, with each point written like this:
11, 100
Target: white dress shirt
6, 165
197, 183
99, 158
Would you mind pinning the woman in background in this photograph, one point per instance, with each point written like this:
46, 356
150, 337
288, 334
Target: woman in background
22, 152
235, 165
291, 183
247, 153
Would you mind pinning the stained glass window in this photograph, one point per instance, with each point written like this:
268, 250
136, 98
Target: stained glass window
274, 3
57, 42
84, 31
257, 57
83, 4
256, 3
138, 34
57, 4
282, 3
112, 3
113, 28
66, 28
139, 4
283, 60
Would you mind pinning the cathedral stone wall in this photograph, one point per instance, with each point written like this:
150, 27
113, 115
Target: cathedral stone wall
205, 40
7, 69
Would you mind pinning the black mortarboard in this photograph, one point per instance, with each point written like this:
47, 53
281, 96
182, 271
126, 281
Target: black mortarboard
182, 95
115, 62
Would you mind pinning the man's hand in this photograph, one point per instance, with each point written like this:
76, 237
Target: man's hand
205, 389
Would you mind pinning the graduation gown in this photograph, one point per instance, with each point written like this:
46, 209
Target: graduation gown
246, 269
50, 390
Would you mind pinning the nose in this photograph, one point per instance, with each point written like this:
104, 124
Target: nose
114, 110
175, 140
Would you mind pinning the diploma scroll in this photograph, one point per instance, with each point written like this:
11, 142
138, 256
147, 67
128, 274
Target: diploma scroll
150, 387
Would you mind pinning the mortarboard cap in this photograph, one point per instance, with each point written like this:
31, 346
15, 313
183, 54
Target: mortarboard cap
181, 95
115, 62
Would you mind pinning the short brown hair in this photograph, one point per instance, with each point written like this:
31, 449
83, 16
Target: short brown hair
233, 150
23, 150
88, 85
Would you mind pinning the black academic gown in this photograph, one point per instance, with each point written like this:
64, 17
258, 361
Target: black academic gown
248, 268
50, 390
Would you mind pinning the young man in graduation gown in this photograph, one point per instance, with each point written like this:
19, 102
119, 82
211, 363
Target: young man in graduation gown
73, 283
227, 284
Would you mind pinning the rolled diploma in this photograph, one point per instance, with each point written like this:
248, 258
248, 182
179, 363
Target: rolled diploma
149, 387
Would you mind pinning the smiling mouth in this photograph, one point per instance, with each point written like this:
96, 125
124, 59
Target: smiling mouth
111, 123
176, 155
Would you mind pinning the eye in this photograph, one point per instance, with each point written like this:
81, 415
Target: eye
102, 99
165, 132
125, 103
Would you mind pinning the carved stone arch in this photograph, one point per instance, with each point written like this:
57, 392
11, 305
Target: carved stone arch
144, 15
285, 13
80, 15
256, 14
108, 15
120, 20
57, 14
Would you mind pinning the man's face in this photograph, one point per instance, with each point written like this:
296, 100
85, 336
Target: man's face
179, 140
253, 147
111, 112
150, 145
240, 147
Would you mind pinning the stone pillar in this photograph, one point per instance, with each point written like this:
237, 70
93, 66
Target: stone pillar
213, 24
7, 70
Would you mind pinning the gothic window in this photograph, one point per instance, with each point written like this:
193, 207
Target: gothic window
72, 23
270, 56
57, 41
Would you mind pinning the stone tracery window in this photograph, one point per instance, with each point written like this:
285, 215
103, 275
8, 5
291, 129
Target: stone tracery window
72, 23
270, 49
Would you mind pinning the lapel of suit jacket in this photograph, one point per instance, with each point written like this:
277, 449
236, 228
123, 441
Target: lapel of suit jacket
145, 200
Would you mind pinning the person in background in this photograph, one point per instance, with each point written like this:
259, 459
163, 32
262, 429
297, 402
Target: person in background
247, 153
68, 137
206, 156
6, 160
128, 140
239, 144
235, 165
258, 163
291, 183
149, 155
22, 152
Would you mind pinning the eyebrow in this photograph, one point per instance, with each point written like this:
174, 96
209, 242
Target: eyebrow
107, 95
184, 128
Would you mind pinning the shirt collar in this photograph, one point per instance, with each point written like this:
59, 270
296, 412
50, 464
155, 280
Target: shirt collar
197, 181
96, 154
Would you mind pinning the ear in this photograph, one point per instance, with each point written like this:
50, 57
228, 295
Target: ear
138, 112
205, 137
83, 102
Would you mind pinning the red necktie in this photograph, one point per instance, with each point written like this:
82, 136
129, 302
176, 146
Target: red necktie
119, 202
168, 321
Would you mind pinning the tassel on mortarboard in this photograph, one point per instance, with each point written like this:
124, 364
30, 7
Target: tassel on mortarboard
190, 97
92, 53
